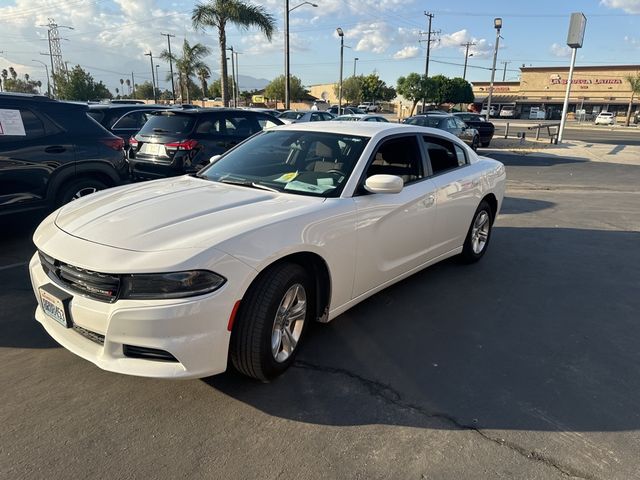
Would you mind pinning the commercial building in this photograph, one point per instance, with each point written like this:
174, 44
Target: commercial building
594, 89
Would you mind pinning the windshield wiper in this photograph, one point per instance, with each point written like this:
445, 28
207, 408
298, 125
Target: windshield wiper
247, 183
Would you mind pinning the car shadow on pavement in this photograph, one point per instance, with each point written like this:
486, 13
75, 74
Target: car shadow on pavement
514, 205
539, 335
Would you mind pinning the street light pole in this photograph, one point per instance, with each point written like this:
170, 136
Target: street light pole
153, 78
233, 77
173, 88
287, 66
341, 35
497, 24
355, 60
46, 69
158, 77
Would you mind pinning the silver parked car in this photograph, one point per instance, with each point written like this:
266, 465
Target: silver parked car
294, 116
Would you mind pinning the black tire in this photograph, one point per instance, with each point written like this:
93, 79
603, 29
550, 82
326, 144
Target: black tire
474, 143
485, 144
470, 254
250, 347
78, 188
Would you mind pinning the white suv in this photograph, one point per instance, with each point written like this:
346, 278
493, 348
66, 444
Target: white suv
606, 118
368, 107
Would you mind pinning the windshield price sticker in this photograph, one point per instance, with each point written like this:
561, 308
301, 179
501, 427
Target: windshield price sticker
11, 123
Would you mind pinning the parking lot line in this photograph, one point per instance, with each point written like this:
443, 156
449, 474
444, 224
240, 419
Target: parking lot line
13, 265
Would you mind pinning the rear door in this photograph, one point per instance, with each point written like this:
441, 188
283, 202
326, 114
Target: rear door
32, 148
457, 191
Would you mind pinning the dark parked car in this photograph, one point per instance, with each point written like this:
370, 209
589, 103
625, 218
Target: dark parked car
52, 152
449, 123
174, 142
123, 120
477, 121
346, 110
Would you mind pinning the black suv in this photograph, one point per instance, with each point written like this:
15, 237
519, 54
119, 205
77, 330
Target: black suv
174, 142
123, 120
51, 152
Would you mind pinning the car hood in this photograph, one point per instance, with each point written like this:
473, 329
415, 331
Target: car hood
182, 212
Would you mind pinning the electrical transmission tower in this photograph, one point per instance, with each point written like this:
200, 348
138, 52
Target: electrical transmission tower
56, 49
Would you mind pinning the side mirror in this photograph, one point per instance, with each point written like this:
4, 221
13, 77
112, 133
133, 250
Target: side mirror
384, 184
214, 158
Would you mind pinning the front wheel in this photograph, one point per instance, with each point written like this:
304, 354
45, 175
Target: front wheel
479, 234
475, 143
271, 322
78, 189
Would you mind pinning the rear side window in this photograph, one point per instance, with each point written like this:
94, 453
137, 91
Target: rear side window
228, 125
443, 154
131, 120
97, 115
172, 124
265, 122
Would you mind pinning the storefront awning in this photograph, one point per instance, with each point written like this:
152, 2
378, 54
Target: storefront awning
498, 99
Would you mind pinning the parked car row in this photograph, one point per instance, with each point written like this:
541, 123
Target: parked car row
52, 152
449, 123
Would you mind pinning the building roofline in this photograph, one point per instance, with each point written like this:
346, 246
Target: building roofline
581, 67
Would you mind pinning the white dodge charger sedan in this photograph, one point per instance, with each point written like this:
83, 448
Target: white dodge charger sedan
174, 278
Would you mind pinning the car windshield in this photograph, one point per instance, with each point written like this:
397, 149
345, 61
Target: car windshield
300, 162
168, 123
471, 118
424, 121
291, 115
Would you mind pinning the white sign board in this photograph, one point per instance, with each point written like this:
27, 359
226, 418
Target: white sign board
577, 26
11, 123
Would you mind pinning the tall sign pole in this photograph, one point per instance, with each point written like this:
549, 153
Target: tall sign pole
575, 38
497, 24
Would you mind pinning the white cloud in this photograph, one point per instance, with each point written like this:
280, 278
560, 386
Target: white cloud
406, 52
633, 41
560, 50
629, 6
480, 49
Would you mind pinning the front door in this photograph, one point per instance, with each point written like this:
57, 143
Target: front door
394, 230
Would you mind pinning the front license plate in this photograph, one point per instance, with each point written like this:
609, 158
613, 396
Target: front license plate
156, 149
55, 304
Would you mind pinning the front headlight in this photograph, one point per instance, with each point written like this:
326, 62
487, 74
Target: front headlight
151, 286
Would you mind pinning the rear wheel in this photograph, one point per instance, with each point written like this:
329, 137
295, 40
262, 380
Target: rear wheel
475, 142
78, 189
271, 321
479, 234
485, 144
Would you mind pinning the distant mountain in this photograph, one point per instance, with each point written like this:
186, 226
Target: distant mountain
246, 82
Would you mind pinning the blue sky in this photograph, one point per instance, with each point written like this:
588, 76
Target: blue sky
111, 36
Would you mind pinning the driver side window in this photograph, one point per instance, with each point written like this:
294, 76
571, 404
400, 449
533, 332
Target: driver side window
398, 156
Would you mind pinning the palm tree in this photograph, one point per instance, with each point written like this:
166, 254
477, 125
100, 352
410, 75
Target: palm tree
634, 82
218, 13
188, 64
203, 74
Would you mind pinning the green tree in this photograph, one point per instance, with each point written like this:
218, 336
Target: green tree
375, 89
460, 91
215, 89
275, 89
79, 85
218, 13
634, 83
188, 64
144, 90
351, 89
414, 87
16, 84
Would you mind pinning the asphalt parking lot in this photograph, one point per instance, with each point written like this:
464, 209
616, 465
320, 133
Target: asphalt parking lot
524, 366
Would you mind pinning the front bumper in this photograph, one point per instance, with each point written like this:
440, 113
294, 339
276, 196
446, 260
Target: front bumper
193, 330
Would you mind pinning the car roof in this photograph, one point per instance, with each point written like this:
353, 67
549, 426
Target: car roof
202, 111
125, 106
365, 129
25, 96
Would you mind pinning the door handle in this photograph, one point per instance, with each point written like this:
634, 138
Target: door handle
55, 149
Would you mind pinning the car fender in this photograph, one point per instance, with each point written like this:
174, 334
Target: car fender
78, 169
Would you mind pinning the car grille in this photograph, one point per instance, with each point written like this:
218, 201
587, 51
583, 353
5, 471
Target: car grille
93, 336
100, 286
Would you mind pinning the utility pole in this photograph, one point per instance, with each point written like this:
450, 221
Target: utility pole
55, 50
340, 33
153, 77
173, 88
46, 70
355, 61
426, 66
466, 57
237, 78
504, 72
497, 24
133, 85
233, 76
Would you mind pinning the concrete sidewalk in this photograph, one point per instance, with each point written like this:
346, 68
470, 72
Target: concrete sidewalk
594, 152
